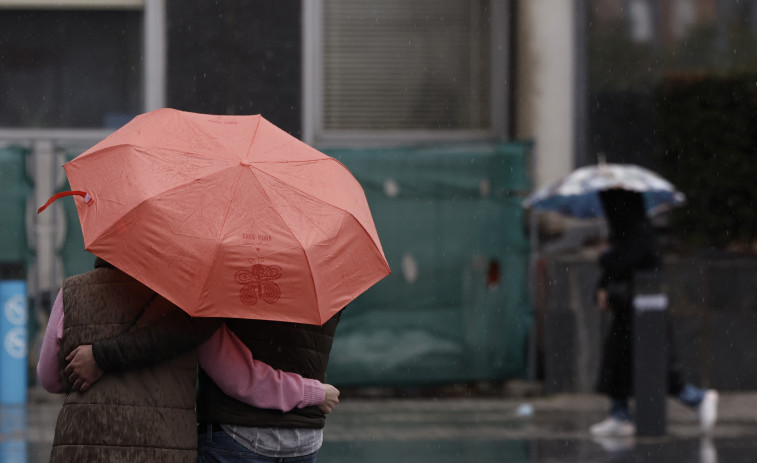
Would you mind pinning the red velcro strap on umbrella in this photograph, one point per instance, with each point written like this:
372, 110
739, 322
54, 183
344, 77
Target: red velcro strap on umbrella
83, 194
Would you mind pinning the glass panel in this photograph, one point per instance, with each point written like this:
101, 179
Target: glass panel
70, 68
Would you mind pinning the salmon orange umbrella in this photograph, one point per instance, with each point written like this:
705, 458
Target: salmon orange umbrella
227, 216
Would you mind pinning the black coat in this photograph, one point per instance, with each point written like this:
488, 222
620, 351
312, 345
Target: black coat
633, 248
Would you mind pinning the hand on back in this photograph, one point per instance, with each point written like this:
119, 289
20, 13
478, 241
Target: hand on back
82, 370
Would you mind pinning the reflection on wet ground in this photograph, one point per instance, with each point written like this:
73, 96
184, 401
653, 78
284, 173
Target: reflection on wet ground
543, 451
13, 426
536, 430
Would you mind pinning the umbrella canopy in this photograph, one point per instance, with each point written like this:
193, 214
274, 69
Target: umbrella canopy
228, 216
576, 195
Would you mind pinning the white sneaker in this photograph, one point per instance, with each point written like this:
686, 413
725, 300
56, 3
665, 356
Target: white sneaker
613, 427
708, 411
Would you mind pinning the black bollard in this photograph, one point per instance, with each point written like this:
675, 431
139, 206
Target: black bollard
650, 351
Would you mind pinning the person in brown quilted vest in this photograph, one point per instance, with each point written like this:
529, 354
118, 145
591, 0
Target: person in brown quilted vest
230, 424
145, 414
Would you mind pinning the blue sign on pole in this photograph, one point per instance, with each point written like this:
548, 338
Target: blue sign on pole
13, 342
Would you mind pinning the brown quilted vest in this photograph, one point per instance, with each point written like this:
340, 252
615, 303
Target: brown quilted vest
139, 415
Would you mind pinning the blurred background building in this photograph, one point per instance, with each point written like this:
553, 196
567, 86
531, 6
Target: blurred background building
447, 111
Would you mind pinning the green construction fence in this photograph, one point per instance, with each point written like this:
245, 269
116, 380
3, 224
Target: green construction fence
15, 187
456, 306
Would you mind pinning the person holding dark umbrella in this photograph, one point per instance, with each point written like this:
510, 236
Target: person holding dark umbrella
633, 248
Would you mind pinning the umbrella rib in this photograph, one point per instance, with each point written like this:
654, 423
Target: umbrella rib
147, 148
205, 278
220, 231
307, 258
252, 139
277, 147
304, 193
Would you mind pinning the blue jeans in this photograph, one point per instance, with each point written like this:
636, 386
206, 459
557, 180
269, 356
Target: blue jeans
691, 395
219, 447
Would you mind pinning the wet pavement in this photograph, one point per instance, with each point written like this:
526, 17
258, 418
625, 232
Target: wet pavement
492, 429
543, 429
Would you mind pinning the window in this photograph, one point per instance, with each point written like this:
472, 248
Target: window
74, 67
421, 70
237, 58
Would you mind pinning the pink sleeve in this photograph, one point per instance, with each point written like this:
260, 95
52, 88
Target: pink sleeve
230, 365
48, 370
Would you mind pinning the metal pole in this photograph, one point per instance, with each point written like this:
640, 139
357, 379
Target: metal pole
650, 352
155, 54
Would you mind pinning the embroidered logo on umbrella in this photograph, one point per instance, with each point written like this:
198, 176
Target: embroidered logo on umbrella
258, 283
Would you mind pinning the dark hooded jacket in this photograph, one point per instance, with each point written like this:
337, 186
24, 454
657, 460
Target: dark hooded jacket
633, 244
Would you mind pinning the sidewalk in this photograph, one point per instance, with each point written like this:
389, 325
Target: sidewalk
564, 416
540, 429
529, 429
